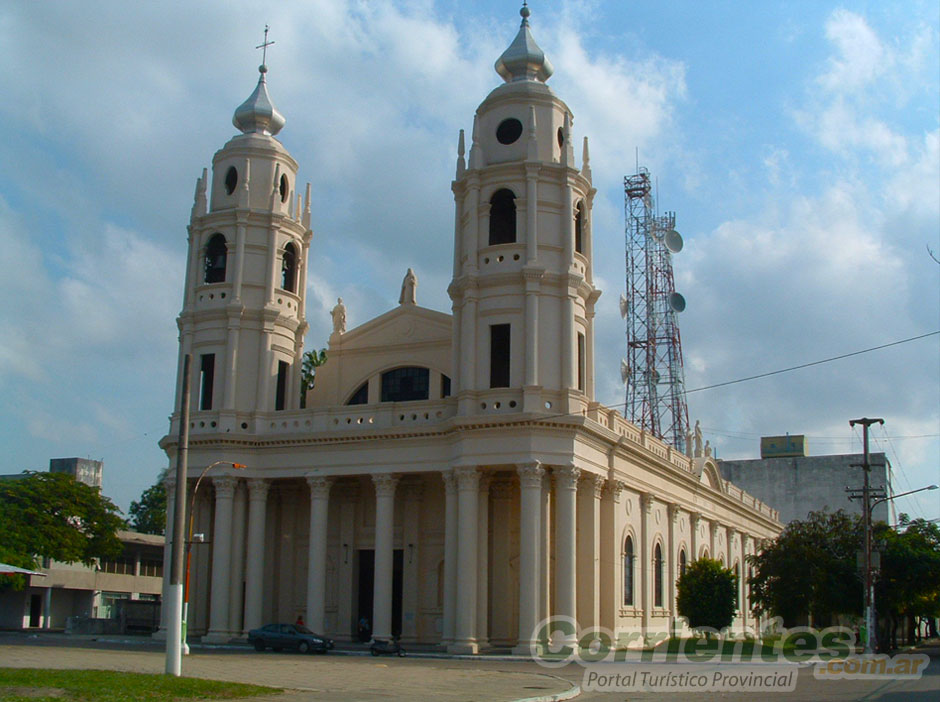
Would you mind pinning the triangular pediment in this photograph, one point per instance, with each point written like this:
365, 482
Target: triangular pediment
405, 324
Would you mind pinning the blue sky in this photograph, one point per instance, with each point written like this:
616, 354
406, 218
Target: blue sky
797, 142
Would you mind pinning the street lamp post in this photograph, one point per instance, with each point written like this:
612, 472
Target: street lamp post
189, 547
866, 500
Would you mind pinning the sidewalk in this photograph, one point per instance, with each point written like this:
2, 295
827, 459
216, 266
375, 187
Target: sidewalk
329, 678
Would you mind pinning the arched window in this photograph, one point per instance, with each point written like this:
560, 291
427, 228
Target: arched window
289, 269
705, 553
361, 396
216, 255
405, 384
628, 572
578, 227
682, 563
503, 217
657, 576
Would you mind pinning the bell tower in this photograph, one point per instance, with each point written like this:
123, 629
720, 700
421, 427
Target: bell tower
522, 290
243, 306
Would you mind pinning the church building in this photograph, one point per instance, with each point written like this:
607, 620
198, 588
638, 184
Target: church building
450, 479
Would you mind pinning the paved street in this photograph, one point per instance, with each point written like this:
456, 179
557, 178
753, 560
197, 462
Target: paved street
363, 678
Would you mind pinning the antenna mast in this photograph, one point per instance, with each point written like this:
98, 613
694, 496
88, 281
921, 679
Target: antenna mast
653, 371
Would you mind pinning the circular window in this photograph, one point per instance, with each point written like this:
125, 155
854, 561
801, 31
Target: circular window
561, 137
231, 180
508, 130
284, 190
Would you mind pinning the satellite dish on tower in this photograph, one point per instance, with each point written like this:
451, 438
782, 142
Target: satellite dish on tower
677, 302
624, 306
673, 241
624, 371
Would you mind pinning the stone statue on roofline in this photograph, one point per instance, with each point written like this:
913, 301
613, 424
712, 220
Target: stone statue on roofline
409, 289
698, 440
339, 317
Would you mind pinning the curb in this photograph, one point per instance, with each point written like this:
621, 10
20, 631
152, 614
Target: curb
557, 697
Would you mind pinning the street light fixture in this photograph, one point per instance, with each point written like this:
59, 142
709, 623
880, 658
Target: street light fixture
189, 545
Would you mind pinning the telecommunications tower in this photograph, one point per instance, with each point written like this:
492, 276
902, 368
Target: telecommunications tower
653, 371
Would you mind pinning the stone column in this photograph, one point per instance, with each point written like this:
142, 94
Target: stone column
384, 526
611, 568
468, 488
588, 561
237, 584
503, 591
450, 556
545, 551
646, 561
566, 491
672, 514
745, 600
530, 482
254, 561
316, 550
412, 493
483, 560
221, 560
712, 538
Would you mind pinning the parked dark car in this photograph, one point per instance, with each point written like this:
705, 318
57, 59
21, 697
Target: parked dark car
290, 636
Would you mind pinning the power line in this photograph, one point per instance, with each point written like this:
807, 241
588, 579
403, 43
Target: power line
812, 363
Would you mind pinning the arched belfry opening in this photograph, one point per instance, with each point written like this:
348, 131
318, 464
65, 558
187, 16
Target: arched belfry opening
289, 268
579, 227
215, 260
503, 217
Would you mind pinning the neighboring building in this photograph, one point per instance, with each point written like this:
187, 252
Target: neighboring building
796, 485
83, 470
452, 478
76, 590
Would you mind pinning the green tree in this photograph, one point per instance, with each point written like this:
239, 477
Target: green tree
312, 360
52, 515
148, 516
909, 582
707, 594
810, 569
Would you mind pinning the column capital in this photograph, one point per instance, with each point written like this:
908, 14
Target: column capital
530, 474
592, 481
224, 487
672, 509
258, 489
713, 528
319, 486
694, 519
468, 477
450, 481
384, 484
566, 477
613, 488
646, 502
745, 541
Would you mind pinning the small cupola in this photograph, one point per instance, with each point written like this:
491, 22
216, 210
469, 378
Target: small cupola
258, 115
524, 60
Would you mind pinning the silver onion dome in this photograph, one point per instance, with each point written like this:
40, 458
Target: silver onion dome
258, 114
524, 60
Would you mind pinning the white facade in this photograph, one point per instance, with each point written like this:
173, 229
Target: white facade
452, 478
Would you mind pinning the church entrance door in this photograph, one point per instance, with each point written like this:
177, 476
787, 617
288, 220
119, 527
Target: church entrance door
366, 591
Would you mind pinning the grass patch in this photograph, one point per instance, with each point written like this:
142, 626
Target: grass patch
42, 685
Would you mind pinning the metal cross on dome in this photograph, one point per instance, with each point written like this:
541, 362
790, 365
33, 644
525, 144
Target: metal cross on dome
264, 46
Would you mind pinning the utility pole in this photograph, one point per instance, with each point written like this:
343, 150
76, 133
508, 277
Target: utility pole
871, 639
174, 597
